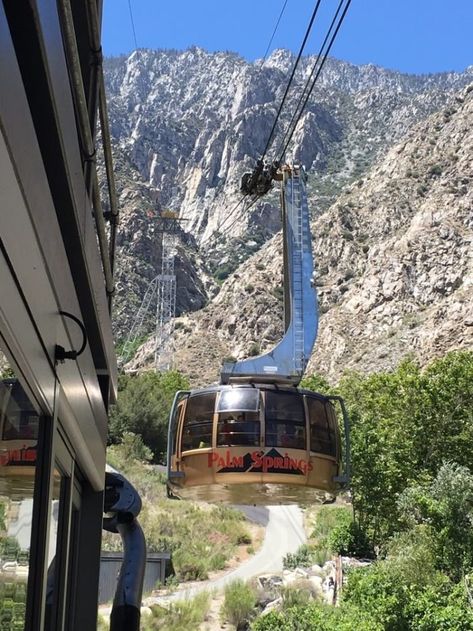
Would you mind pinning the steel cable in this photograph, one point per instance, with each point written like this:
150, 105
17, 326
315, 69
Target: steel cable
291, 78
274, 33
287, 139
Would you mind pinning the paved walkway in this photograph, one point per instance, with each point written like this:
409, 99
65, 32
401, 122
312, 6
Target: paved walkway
284, 533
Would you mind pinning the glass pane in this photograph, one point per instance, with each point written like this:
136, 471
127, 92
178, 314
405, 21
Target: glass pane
198, 422
18, 442
285, 420
239, 400
322, 435
238, 429
52, 585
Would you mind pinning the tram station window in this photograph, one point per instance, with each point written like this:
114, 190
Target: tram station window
198, 421
285, 420
322, 427
18, 443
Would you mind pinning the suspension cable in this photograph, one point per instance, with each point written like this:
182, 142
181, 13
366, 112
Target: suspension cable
290, 132
278, 114
132, 24
212, 237
274, 33
308, 82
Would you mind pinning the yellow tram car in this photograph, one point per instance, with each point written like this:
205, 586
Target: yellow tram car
256, 444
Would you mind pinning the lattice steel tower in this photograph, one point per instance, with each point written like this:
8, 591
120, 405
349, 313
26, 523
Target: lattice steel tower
166, 302
160, 295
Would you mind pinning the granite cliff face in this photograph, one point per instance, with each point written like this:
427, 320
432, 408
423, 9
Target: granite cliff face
393, 251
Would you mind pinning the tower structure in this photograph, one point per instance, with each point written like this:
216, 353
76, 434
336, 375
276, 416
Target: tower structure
166, 293
159, 298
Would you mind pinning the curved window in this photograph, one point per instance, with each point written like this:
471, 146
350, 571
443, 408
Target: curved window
322, 427
198, 421
238, 419
238, 428
239, 400
285, 420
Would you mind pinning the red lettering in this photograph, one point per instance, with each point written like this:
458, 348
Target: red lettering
267, 462
237, 461
293, 464
211, 458
257, 460
279, 463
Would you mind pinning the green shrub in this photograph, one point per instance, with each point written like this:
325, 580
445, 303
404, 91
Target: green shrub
316, 617
328, 517
254, 350
435, 169
348, 539
239, 604
301, 558
183, 615
130, 448
296, 594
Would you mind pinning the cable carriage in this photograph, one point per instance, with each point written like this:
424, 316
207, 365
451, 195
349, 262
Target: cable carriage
257, 438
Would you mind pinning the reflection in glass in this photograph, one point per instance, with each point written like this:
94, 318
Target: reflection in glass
198, 422
322, 427
239, 399
285, 420
18, 442
238, 429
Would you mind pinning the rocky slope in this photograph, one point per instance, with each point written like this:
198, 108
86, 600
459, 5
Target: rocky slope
187, 124
395, 266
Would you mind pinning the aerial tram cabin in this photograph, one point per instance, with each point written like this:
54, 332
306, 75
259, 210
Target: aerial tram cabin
257, 438
255, 444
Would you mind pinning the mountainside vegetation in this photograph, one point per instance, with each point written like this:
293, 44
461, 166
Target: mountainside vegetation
412, 496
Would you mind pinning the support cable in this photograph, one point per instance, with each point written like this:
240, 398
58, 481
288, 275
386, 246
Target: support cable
247, 208
291, 78
132, 24
230, 213
274, 33
290, 131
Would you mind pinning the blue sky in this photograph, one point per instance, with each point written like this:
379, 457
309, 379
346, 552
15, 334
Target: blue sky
414, 36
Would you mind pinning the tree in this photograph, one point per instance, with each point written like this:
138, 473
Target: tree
404, 425
445, 506
143, 406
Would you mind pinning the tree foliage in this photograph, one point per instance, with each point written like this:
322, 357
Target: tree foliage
405, 424
412, 485
143, 406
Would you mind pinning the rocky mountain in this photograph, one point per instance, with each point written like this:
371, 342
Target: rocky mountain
392, 252
395, 266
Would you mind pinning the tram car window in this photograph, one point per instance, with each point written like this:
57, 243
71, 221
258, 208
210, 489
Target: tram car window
238, 418
285, 420
322, 427
198, 422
